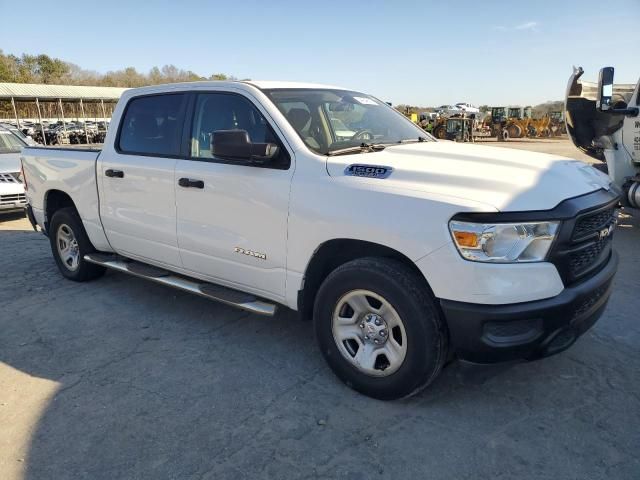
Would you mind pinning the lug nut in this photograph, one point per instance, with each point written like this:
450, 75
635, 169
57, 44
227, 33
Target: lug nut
378, 322
376, 341
362, 325
383, 333
366, 337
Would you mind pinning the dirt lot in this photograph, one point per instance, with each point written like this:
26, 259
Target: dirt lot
123, 379
554, 145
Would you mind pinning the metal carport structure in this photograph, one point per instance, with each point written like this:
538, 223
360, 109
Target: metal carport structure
31, 92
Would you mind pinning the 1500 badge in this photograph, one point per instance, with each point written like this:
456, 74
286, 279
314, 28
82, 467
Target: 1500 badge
250, 253
369, 171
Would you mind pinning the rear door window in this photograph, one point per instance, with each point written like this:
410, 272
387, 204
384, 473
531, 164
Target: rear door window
152, 125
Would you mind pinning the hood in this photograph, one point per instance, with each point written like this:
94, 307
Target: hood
9, 162
507, 179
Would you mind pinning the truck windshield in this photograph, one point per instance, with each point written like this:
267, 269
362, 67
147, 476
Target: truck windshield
10, 143
329, 120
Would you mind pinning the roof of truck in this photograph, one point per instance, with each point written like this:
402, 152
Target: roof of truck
262, 85
273, 84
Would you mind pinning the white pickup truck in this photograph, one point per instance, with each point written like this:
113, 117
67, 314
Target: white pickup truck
407, 252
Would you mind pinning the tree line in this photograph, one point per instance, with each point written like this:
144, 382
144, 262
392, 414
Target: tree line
42, 68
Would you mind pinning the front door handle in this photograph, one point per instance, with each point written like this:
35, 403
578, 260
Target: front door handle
190, 183
114, 173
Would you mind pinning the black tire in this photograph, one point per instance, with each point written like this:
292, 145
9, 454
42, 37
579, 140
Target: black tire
84, 271
426, 334
514, 131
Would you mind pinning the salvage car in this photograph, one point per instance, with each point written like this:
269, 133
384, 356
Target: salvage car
406, 252
12, 194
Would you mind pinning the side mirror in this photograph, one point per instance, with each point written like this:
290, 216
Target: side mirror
605, 89
236, 145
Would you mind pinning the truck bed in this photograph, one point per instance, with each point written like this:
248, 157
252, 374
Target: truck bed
91, 147
66, 172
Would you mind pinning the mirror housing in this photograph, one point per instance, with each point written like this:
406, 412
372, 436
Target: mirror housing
236, 145
605, 89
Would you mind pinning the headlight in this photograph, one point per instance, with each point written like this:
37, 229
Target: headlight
503, 242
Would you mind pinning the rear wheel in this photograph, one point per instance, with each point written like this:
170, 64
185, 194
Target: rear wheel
69, 245
379, 328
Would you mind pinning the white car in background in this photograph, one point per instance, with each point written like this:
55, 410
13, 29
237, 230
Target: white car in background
448, 110
467, 108
12, 193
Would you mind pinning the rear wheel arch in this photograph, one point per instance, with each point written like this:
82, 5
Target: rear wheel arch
55, 200
336, 252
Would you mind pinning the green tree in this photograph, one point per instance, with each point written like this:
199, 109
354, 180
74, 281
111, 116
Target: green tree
45, 69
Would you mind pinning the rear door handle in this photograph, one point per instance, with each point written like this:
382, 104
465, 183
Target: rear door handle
190, 183
114, 173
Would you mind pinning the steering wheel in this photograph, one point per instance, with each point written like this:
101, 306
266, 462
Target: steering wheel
361, 134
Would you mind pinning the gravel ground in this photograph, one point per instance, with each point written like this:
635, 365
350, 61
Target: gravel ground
123, 379
555, 145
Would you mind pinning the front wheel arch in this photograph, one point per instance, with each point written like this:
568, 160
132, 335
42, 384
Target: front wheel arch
333, 253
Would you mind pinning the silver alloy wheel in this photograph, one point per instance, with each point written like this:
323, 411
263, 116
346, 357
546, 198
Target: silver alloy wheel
369, 333
68, 248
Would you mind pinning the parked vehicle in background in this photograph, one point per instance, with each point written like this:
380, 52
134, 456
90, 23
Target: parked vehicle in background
12, 194
406, 251
13, 129
468, 108
497, 122
448, 110
518, 121
557, 123
603, 121
464, 129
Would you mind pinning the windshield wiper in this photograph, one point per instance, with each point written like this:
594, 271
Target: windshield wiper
362, 148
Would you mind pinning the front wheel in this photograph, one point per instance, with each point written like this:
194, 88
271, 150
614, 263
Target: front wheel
440, 132
69, 245
379, 328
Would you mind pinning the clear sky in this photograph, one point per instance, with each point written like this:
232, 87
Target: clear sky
420, 53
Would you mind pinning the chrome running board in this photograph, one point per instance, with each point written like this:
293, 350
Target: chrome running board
228, 296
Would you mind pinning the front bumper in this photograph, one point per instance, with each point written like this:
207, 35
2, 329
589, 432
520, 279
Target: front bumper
12, 203
11, 208
529, 330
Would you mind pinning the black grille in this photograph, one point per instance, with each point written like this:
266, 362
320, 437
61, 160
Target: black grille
590, 224
510, 329
584, 242
513, 332
590, 301
8, 178
15, 198
584, 258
